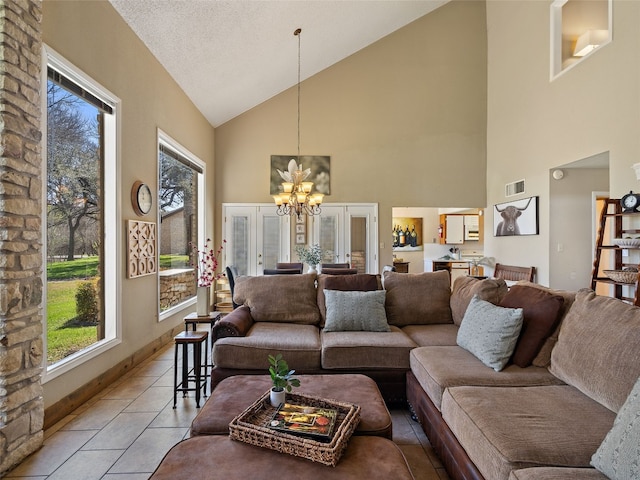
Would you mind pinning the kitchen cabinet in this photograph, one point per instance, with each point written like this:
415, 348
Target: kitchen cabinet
456, 269
471, 228
452, 229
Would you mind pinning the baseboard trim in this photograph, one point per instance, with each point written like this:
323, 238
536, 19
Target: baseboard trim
68, 404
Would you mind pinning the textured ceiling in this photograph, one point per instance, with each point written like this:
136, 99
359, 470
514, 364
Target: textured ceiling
229, 56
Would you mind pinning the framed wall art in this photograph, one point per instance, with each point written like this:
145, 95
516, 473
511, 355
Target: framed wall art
517, 217
320, 166
301, 230
141, 248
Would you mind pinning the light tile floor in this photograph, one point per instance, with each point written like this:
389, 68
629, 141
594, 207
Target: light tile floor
124, 432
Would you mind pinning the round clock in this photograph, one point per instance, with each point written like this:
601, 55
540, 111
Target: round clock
141, 198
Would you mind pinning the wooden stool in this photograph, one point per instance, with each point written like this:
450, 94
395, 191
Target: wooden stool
193, 319
196, 339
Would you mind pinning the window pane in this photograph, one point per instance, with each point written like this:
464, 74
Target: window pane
75, 306
240, 244
178, 203
271, 241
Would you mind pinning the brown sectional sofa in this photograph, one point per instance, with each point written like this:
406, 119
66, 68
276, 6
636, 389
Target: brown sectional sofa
577, 355
287, 314
544, 421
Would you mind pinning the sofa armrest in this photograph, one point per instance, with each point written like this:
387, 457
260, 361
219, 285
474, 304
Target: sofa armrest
235, 324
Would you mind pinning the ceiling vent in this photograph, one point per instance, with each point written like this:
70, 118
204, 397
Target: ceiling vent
514, 188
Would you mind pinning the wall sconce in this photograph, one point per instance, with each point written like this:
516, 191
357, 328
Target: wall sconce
636, 167
589, 41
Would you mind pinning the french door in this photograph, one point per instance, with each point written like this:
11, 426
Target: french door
256, 237
348, 233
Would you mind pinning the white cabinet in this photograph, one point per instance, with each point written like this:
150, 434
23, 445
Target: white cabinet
454, 230
471, 228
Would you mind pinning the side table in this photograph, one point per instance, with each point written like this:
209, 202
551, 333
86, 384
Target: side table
193, 319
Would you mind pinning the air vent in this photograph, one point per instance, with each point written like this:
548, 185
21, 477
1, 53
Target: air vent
514, 188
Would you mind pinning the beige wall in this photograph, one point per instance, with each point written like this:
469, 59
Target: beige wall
571, 227
534, 124
91, 35
403, 121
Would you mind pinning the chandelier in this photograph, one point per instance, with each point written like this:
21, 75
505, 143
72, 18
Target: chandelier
297, 197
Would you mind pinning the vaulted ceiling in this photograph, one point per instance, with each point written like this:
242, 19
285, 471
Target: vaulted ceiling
231, 55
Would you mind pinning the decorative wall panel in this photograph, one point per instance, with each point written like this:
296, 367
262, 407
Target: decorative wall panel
141, 246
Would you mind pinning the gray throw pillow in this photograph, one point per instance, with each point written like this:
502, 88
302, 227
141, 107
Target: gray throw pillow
355, 311
490, 332
618, 456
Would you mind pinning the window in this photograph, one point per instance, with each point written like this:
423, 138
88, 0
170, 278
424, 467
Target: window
81, 290
180, 200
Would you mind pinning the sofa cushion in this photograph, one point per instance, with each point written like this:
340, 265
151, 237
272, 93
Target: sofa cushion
366, 350
541, 312
434, 334
464, 288
440, 367
299, 344
490, 332
360, 282
355, 311
279, 298
543, 358
506, 428
556, 473
597, 349
418, 298
618, 457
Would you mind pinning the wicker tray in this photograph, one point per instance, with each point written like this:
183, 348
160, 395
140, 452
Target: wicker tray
622, 276
250, 427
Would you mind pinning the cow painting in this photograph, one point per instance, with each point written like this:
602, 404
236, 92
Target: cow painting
516, 218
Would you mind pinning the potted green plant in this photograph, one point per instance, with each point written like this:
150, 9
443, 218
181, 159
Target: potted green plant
282, 379
312, 256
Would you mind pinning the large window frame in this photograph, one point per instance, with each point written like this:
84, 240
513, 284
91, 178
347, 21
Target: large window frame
112, 248
166, 141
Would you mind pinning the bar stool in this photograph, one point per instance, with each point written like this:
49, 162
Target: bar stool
193, 319
197, 340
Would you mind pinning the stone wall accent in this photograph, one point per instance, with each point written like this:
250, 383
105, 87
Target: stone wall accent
21, 261
176, 285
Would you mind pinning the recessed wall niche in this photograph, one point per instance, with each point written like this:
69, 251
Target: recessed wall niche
578, 28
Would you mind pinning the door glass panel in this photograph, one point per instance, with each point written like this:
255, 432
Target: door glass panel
358, 258
329, 238
240, 244
271, 241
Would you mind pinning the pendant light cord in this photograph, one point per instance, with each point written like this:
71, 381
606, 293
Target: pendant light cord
297, 34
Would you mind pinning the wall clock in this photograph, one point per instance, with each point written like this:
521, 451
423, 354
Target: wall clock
141, 198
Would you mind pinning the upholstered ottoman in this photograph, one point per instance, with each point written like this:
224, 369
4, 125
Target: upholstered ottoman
218, 457
234, 394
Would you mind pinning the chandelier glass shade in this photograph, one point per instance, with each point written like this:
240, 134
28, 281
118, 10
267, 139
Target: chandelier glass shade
297, 196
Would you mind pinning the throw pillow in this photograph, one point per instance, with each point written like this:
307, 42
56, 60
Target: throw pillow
360, 282
355, 311
541, 316
618, 456
490, 332
264, 296
464, 288
418, 298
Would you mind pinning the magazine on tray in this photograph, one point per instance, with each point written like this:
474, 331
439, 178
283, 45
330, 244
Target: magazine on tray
310, 422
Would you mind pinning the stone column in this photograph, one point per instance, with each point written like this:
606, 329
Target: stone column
21, 258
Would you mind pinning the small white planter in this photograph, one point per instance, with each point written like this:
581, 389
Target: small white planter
203, 303
277, 398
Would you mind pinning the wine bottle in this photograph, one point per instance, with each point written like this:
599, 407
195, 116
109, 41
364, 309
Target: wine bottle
401, 237
414, 236
395, 236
